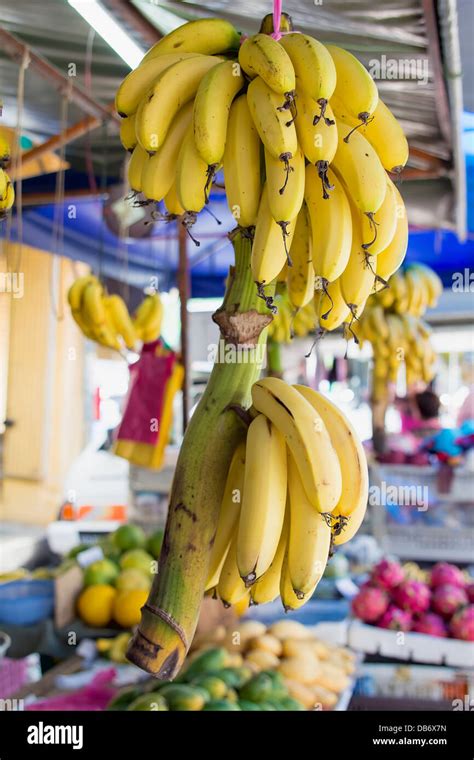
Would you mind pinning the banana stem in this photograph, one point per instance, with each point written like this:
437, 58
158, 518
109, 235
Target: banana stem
274, 366
170, 615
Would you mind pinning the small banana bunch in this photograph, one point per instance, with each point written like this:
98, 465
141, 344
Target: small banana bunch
288, 322
105, 318
304, 141
396, 339
412, 290
282, 513
7, 192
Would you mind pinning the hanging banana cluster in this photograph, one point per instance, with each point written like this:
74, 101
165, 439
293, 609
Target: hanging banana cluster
304, 141
288, 322
412, 290
7, 192
281, 515
105, 318
396, 340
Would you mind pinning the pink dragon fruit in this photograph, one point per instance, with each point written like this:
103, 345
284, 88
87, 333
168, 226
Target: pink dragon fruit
462, 624
447, 599
470, 591
413, 596
388, 574
443, 573
370, 603
430, 623
395, 619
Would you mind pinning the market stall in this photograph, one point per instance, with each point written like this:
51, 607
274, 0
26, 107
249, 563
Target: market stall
236, 420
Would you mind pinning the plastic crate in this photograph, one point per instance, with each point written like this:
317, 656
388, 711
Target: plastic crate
26, 602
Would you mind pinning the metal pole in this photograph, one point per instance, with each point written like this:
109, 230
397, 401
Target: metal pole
184, 290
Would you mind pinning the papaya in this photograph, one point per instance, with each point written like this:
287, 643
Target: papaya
279, 689
258, 688
184, 697
235, 677
123, 700
210, 660
215, 686
247, 706
289, 703
267, 706
221, 705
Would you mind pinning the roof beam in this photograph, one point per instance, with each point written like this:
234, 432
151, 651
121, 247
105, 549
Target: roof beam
131, 16
434, 50
17, 50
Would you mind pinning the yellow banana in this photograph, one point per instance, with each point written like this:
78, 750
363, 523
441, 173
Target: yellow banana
136, 85
318, 141
214, 97
207, 36
358, 278
331, 309
159, 171
121, 320
277, 131
306, 437
389, 260
359, 166
95, 316
173, 206
270, 246
136, 167
309, 537
314, 69
5, 153
228, 515
355, 88
128, 137
378, 229
343, 529
242, 164
331, 225
8, 198
349, 450
173, 88
288, 597
267, 587
433, 283
191, 175
264, 499
231, 588
3, 184
150, 323
301, 274
285, 186
74, 298
260, 55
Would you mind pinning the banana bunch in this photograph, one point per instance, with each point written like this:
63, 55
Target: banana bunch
7, 192
397, 340
412, 290
302, 137
105, 318
289, 322
281, 514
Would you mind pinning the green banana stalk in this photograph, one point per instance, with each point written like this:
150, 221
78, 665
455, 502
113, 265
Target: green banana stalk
170, 615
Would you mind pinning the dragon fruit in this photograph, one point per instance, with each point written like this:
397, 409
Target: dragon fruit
370, 603
470, 591
413, 596
462, 624
447, 599
388, 574
395, 619
430, 623
443, 573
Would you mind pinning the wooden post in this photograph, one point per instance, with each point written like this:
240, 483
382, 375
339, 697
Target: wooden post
379, 410
184, 290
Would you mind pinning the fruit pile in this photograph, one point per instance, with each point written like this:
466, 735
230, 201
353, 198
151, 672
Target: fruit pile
441, 606
105, 318
281, 514
116, 587
250, 667
7, 191
304, 141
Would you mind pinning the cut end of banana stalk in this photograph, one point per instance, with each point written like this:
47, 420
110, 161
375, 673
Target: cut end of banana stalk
323, 103
249, 579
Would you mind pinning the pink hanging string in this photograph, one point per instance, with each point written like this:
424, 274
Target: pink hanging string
276, 19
